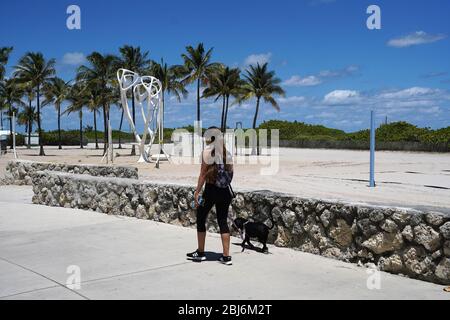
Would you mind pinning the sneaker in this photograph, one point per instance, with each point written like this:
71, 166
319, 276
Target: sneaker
225, 260
196, 256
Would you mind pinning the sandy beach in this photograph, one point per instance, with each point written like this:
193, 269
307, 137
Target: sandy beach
405, 179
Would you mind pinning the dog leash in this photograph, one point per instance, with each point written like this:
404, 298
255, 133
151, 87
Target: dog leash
242, 233
243, 230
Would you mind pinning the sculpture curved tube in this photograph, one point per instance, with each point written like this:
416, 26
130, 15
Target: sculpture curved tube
146, 89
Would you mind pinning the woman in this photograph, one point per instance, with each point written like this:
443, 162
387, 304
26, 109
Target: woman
216, 173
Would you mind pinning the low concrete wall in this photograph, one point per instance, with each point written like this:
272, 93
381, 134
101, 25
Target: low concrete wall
19, 172
416, 244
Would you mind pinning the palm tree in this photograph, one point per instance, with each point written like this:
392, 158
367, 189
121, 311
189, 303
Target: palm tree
4, 57
115, 95
197, 67
261, 84
34, 69
93, 104
100, 72
170, 81
56, 92
12, 94
120, 125
224, 83
2, 107
133, 59
235, 88
27, 118
29, 93
78, 98
216, 87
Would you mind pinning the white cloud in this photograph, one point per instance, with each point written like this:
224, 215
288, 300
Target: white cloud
426, 104
341, 97
409, 93
292, 100
243, 106
434, 74
325, 115
347, 109
74, 58
260, 58
314, 80
298, 81
432, 110
348, 71
414, 39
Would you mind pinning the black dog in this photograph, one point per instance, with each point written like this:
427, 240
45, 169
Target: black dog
250, 230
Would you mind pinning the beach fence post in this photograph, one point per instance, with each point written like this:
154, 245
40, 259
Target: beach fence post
372, 149
14, 134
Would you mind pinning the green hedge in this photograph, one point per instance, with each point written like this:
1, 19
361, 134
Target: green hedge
392, 132
68, 138
20, 138
299, 130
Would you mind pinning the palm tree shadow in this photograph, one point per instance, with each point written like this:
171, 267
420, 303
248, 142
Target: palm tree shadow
95, 156
37, 155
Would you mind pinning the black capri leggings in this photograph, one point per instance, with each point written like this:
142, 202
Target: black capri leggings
221, 197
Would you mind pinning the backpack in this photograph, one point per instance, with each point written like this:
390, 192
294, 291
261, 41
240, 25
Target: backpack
223, 179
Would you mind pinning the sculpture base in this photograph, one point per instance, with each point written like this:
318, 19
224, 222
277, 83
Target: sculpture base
160, 157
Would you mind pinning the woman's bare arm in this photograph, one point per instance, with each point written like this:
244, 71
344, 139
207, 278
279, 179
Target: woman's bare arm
201, 178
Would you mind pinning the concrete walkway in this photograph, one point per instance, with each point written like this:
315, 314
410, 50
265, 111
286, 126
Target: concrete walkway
127, 258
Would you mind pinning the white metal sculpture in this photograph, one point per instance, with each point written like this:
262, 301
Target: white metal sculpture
148, 96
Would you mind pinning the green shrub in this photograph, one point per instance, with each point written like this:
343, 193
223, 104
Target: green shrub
68, 138
20, 140
295, 130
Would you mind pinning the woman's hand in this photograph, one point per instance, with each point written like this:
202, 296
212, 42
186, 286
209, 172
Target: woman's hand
196, 195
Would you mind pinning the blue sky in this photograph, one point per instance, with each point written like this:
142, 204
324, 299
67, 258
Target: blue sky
334, 69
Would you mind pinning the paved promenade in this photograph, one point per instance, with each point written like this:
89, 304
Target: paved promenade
127, 258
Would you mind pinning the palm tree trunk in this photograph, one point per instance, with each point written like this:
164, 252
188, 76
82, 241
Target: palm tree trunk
81, 129
105, 134
198, 99
95, 129
133, 148
27, 124
223, 114
254, 123
30, 124
10, 126
226, 114
256, 112
30, 129
41, 146
108, 121
1, 119
120, 129
58, 106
